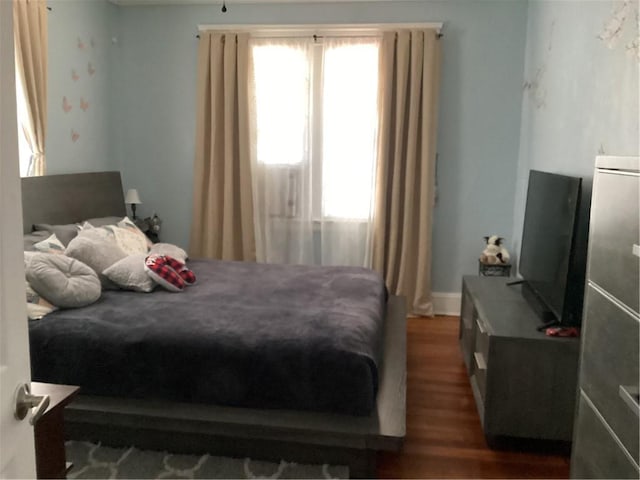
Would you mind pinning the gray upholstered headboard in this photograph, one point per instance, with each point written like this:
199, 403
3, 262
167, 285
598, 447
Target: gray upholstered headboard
62, 199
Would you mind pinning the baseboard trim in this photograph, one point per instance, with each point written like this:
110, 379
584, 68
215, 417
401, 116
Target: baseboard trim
445, 303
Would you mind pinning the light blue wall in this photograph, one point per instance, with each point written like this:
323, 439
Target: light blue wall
581, 91
71, 22
480, 108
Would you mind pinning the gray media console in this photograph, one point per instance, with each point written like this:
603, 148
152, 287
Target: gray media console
523, 381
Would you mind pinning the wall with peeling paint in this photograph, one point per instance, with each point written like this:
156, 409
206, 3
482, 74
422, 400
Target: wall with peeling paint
79, 87
580, 92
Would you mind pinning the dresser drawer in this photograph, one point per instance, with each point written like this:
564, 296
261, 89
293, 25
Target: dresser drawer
609, 362
596, 453
466, 335
614, 232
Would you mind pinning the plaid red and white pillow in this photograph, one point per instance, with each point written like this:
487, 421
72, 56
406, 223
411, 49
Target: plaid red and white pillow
187, 275
169, 272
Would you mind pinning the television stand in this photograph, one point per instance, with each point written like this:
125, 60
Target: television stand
548, 318
549, 324
523, 381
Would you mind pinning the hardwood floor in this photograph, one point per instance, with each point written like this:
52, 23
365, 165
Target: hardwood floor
444, 437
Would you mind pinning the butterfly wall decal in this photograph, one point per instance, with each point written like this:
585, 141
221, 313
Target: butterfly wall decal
83, 104
74, 75
74, 136
80, 44
90, 69
66, 105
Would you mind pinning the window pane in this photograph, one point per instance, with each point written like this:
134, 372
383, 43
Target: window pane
24, 150
349, 128
282, 103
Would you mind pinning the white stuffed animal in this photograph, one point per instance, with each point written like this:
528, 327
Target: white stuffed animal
494, 252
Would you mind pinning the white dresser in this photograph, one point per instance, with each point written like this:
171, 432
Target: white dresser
606, 432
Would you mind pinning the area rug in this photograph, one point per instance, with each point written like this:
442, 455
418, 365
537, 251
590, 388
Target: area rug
96, 461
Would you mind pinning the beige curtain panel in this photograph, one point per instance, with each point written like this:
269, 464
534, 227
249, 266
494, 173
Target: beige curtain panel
409, 84
222, 225
31, 46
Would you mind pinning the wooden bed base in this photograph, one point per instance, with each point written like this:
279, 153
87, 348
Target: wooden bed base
304, 437
308, 437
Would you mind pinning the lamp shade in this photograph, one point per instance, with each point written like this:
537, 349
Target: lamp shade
132, 197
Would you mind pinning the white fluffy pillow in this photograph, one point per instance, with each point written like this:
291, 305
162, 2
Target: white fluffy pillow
170, 250
50, 245
37, 306
63, 281
129, 241
129, 225
130, 274
98, 249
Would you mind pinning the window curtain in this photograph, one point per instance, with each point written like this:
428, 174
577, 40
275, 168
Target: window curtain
31, 50
314, 120
409, 84
280, 86
222, 224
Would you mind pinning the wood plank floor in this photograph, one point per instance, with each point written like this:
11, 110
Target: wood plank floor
444, 437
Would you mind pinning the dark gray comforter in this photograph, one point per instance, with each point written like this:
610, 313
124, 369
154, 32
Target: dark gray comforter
253, 335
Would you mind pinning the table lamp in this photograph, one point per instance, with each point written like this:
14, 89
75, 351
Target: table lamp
132, 199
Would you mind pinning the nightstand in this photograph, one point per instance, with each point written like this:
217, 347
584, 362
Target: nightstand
49, 430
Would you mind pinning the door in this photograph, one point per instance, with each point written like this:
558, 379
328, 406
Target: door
17, 451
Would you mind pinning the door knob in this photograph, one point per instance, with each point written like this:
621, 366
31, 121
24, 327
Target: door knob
25, 401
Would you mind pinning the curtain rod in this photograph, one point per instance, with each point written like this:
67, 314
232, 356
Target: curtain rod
358, 29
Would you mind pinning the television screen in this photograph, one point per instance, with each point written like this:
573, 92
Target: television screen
548, 236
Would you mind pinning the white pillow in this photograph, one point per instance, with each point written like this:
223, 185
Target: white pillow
128, 224
130, 274
170, 250
85, 226
96, 234
129, 241
98, 249
50, 245
128, 237
37, 307
65, 282
102, 221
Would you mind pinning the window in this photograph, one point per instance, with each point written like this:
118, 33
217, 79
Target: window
24, 150
316, 123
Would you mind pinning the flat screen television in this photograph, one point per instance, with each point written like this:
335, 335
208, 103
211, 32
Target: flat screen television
552, 263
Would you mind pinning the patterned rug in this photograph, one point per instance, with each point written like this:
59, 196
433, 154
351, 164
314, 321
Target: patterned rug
95, 461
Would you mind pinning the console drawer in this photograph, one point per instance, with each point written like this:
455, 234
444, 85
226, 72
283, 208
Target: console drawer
609, 362
596, 453
480, 372
482, 338
615, 230
466, 335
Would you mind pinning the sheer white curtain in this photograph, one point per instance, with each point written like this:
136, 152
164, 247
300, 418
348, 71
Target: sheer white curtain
314, 129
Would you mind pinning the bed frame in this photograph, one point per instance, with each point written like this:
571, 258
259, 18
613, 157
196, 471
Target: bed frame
304, 437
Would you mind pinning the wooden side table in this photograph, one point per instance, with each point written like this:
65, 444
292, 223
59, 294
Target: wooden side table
49, 430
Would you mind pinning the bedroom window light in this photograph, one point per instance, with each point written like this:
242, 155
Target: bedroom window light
281, 89
316, 110
24, 150
349, 127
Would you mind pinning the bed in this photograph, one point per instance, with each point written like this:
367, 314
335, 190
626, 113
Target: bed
226, 366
